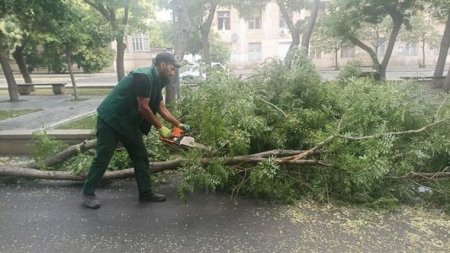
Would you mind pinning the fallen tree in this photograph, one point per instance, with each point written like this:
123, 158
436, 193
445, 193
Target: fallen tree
282, 157
156, 167
30, 172
364, 143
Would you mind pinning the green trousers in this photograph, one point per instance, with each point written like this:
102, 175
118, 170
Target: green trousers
107, 140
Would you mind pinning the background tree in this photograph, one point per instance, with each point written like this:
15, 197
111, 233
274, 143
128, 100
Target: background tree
301, 26
325, 42
422, 30
35, 30
310, 24
441, 9
6, 30
78, 36
287, 10
208, 11
80, 27
17, 21
182, 27
119, 15
348, 17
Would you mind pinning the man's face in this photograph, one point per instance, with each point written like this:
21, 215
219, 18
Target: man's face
166, 72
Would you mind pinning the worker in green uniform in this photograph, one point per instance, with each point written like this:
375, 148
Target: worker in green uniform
125, 115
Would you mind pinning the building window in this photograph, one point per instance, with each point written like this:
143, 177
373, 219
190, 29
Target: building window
410, 49
223, 20
348, 52
140, 42
254, 51
254, 22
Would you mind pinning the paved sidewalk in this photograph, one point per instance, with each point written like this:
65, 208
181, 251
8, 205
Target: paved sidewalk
54, 110
82, 80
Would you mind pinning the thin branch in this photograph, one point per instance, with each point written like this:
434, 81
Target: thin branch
415, 131
436, 116
315, 149
274, 106
311, 151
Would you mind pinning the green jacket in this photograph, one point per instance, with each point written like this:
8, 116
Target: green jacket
120, 108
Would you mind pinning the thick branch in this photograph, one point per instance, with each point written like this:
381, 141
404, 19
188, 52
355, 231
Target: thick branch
66, 154
100, 8
24, 172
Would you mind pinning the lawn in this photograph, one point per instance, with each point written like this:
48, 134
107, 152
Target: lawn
87, 122
69, 91
15, 113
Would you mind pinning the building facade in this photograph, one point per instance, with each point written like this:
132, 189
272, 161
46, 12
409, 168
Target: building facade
255, 39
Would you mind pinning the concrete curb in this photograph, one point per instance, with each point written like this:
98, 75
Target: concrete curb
19, 142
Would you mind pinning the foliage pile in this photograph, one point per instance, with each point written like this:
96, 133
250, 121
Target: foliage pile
368, 147
293, 109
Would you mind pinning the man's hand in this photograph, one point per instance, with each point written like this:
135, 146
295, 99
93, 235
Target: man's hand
165, 132
185, 127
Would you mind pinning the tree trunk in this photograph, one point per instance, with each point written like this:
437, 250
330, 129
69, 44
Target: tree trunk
20, 60
447, 81
7, 71
119, 28
443, 51
293, 48
295, 33
72, 77
397, 19
204, 31
120, 48
172, 90
336, 64
310, 28
423, 53
183, 28
369, 50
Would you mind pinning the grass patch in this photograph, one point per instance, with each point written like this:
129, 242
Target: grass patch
6, 114
69, 91
87, 122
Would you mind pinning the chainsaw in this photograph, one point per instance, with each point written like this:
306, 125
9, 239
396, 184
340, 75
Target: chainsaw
182, 139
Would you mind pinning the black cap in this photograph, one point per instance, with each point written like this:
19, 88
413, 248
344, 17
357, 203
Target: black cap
166, 57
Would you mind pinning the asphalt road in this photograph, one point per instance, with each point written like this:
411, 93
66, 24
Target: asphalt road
47, 216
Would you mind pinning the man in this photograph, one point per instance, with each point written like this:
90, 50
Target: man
125, 114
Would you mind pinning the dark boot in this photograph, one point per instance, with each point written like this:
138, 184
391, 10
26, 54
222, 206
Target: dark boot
152, 197
90, 201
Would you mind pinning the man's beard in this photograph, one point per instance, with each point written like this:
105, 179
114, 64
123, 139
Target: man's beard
164, 79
